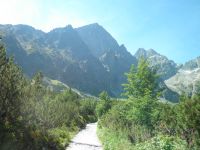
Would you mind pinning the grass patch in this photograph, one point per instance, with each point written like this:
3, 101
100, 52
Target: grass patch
113, 140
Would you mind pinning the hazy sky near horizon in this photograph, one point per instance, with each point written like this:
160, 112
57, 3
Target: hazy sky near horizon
171, 27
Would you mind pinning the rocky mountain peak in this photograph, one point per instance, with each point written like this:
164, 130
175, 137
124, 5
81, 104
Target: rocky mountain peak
87, 58
187, 79
152, 52
192, 64
141, 52
166, 67
98, 39
93, 25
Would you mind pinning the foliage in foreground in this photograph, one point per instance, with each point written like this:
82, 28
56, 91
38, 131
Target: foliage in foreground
174, 125
104, 104
143, 122
33, 117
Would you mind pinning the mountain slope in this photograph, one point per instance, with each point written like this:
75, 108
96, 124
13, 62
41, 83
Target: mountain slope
114, 57
187, 79
166, 68
90, 59
98, 39
59, 54
64, 55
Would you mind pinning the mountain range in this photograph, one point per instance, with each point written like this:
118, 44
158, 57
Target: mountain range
89, 59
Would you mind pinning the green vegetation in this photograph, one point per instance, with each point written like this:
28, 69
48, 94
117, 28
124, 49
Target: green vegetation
104, 104
33, 117
142, 122
142, 81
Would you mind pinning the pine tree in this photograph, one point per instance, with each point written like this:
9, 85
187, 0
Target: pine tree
142, 81
11, 83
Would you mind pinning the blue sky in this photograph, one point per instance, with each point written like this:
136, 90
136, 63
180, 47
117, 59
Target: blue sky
171, 27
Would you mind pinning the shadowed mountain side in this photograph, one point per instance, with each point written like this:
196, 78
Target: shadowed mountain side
62, 54
88, 59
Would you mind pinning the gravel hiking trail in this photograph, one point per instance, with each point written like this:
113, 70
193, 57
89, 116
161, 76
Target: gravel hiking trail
86, 139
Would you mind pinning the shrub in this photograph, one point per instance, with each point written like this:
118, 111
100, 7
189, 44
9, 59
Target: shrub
87, 110
59, 136
104, 104
162, 142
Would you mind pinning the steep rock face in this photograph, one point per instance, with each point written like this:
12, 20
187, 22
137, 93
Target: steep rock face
59, 54
65, 55
103, 45
175, 79
166, 68
141, 53
114, 57
80, 69
24, 49
187, 79
192, 64
98, 39
90, 60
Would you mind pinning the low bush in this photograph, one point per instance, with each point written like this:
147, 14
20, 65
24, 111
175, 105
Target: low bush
114, 140
162, 142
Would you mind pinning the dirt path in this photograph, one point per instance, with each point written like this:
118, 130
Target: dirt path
86, 139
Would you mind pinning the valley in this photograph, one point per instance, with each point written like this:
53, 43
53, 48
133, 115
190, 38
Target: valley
55, 86
88, 59
99, 75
